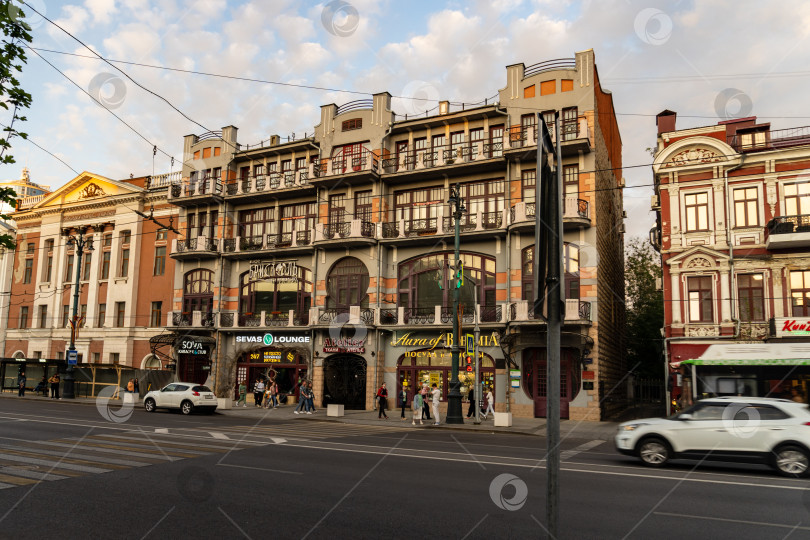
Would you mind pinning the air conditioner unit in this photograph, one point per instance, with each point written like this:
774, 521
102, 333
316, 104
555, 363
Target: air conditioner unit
655, 202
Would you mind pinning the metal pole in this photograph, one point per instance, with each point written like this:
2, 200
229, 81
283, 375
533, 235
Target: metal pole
553, 283
454, 415
68, 388
478, 387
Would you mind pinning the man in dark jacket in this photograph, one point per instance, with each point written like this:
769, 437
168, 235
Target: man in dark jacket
21, 384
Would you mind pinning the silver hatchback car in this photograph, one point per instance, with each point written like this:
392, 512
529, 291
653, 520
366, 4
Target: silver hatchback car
185, 396
743, 429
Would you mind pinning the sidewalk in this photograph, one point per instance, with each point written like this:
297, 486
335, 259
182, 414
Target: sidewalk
520, 426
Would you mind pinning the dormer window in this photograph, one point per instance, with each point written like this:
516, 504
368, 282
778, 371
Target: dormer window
753, 139
354, 123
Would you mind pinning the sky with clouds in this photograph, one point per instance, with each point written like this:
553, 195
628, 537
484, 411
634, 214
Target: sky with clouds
707, 60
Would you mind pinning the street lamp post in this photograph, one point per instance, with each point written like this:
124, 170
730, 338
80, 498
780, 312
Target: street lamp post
454, 415
81, 244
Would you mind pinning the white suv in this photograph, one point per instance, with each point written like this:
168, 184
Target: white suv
185, 396
769, 430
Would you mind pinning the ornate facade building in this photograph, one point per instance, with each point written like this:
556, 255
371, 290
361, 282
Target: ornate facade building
329, 257
126, 280
732, 203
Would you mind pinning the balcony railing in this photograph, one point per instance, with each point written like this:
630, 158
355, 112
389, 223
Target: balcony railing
341, 230
467, 317
265, 183
390, 230
366, 160
491, 313
575, 310
770, 139
250, 319
419, 315
789, 224
163, 180
492, 220
196, 187
181, 318
466, 223
417, 227
389, 315
574, 207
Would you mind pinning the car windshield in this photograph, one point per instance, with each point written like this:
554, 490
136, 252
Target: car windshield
201, 389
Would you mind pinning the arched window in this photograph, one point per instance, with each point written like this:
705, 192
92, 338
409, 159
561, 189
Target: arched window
277, 295
152, 362
570, 265
198, 291
347, 284
428, 281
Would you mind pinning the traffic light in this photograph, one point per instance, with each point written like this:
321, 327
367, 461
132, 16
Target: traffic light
469, 362
460, 275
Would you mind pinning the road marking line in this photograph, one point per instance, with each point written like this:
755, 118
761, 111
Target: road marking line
257, 468
278, 440
6, 478
162, 430
568, 454
219, 435
55, 463
728, 520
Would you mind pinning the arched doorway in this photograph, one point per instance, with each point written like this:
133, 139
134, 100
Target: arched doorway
344, 381
534, 379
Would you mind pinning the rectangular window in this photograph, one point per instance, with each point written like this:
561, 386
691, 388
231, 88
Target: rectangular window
418, 207
115, 357
476, 136
160, 260
745, 207
30, 249
212, 227
571, 180
696, 206
297, 217
88, 260
485, 197
528, 182
362, 206
495, 141
800, 292
69, 277
43, 316
107, 240
102, 314
254, 224
191, 223
438, 143
29, 269
354, 123
123, 270
156, 314
48, 260
570, 124
700, 299
105, 265
119, 314
337, 209
83, 314
23, 317
797, 199
65, 315
160, 234
751, 294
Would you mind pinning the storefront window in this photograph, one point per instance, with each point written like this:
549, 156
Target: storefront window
434, 366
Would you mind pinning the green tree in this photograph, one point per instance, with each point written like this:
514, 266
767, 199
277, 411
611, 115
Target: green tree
13, 98
645, 308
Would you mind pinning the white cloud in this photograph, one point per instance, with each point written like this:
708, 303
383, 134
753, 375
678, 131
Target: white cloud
101, 9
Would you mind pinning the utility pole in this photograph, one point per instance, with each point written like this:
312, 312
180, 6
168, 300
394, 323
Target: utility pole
454, 415
548, 266
81, 244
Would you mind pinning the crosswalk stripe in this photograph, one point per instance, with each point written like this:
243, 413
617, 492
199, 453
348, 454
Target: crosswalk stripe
50, 469
141, 448
146, 459
34, 475
75, 452
190, 449
16, 480
53, 462
70, 457
200, 442
6, 486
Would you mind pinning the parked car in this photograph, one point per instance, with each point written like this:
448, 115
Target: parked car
765, 430
184, 396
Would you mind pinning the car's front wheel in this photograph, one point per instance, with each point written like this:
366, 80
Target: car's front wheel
186, 407
654, 452
792, 461
149, 405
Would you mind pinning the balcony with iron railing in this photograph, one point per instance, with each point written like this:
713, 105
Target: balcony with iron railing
200, 247
576, 312
354, 232
478, 223
164, 180
207, 190
263, 187
437, 315
785, 232
769, 139
348, 169
249, 246
576, 213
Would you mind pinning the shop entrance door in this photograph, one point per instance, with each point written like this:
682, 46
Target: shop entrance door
534, 362
192, 368
344, 381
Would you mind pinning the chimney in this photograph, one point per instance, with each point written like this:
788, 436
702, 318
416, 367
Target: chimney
665, 120
274, 140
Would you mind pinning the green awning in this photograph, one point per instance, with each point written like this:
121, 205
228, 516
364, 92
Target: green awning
749, 362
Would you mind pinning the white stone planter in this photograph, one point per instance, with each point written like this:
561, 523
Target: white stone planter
334, 410
129, 397
503, 419
224, 404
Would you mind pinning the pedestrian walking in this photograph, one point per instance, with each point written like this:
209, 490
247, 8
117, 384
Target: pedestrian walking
242, 394
418, 408
137, 387
268, 401
471, 409
403, 401
310, 398
425, 406
382, 398
274, 393
302, 398
21, 384
490, 401
258, 392
436, 395
54, 380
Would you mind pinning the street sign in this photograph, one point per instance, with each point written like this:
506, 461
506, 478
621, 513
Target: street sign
72, 358
470, 345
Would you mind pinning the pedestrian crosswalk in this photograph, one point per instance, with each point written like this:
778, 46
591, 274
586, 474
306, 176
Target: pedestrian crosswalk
308, 430
23, 463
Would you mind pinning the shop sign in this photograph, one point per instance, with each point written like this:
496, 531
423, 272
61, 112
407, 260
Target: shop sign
282, 271
269, 339
331, 345
271, 357
191, 346
792, 327
443, 340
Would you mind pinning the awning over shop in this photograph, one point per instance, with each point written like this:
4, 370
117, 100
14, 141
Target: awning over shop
764, 354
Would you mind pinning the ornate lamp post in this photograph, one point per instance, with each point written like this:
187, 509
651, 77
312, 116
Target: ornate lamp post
82, 245
454, 415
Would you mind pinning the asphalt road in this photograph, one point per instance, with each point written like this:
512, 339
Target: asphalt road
68, 472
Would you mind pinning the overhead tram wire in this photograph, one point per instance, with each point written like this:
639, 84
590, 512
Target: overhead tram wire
48, 152
364, 93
